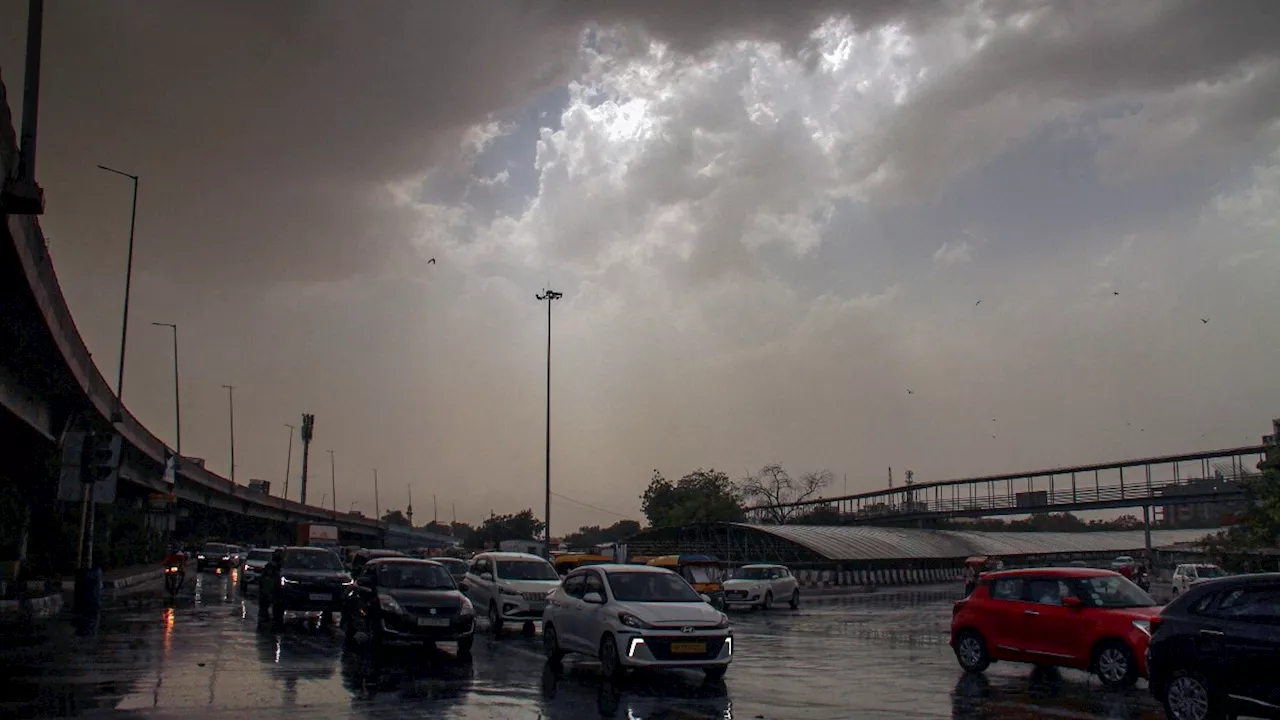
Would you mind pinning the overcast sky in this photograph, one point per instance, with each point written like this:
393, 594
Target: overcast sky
769, 221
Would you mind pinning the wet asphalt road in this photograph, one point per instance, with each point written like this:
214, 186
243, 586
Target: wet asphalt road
208, 657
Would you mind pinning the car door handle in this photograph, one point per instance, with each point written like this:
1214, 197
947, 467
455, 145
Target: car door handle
1212, 633
1031, 612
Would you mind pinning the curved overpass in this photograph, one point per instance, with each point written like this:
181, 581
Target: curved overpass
48, 376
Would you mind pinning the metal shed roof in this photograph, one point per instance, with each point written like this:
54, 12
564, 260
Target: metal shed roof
861, 542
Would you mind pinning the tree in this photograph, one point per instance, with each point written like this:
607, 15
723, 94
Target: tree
701, 496
395, 517
520, 526
775, 492
438, 527
1260, 526
592, 535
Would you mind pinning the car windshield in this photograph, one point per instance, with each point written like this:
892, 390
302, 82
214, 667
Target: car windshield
216, 549
651, 587
457, 567
414, 576
701, 573
1210, 571
750, 573
1110, 591
525, 570
311, 560
263, 555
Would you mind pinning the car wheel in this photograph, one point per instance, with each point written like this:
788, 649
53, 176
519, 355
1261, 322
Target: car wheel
1114, 664
971, 652
551, 643
1189, 697
495, 618
768, 600
795, 599
715, 674
464, 646
610, 663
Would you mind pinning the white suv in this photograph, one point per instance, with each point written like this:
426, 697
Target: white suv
1187, 575
760, 586
636, 616
510, 586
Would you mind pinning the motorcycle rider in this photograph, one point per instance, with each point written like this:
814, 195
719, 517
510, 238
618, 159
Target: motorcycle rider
176, 558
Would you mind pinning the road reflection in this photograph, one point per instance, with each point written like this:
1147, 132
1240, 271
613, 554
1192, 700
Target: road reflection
568, 694
1045, 692
423, 678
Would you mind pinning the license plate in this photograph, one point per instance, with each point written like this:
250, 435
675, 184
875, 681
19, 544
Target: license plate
688, 648
320, 597
433, 622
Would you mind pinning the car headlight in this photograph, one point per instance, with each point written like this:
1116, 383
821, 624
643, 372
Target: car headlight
1144, 626
287, 581
724, 622
508, 591
467, 607
348, 583
389, 603
226, 557
630, 620
200, 557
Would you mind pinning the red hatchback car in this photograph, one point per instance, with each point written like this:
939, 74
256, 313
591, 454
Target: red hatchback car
1092, 620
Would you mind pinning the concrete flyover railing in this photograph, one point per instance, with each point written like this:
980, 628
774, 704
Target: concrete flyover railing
32, 251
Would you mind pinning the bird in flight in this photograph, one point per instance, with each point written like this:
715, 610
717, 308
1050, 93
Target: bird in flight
432, 261
977, 303
1204, 320
910, 391
1115, 292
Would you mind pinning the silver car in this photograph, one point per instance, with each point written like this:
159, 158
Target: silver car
636, 616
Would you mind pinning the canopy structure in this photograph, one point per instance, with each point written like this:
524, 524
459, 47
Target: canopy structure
862, 545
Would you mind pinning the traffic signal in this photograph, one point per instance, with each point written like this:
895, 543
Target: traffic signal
99, 457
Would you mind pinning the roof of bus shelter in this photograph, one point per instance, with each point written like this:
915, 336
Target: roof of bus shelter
865, 543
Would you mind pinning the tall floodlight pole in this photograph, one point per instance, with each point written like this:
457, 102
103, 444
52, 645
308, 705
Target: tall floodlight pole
377, 506
117, 414
177, 401
231, 406
308, 432
288, 463
549, 296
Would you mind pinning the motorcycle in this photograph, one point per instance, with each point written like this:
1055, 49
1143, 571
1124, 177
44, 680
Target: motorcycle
173, 577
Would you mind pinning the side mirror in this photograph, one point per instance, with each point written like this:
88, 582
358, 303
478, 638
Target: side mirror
594, 598
1072, 602
705, 598
486, 576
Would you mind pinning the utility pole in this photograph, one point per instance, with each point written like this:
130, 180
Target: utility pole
231, 405
288, 464
377, 506
435, 511
308, 432
549, 296
890, 477
333, 480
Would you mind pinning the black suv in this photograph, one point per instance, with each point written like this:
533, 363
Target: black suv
215, 555
1215, 650
303, 578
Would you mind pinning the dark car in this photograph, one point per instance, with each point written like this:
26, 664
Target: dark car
406, 599
457, 568
219, 556
305, 579
1215, 650
363, 556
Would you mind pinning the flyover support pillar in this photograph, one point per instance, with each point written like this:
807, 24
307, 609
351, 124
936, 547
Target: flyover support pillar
1146, 529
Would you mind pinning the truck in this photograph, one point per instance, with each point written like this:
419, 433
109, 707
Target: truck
316, 535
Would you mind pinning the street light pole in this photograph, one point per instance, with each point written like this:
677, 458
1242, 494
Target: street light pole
377, 506
231, 406
118, 414
288, 464
177, 401
548, 296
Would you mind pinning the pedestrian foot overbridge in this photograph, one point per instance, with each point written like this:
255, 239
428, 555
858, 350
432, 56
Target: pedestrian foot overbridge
861, 555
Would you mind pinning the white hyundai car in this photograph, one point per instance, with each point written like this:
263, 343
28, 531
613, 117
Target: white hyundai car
510, 587
636, 616
760, 586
